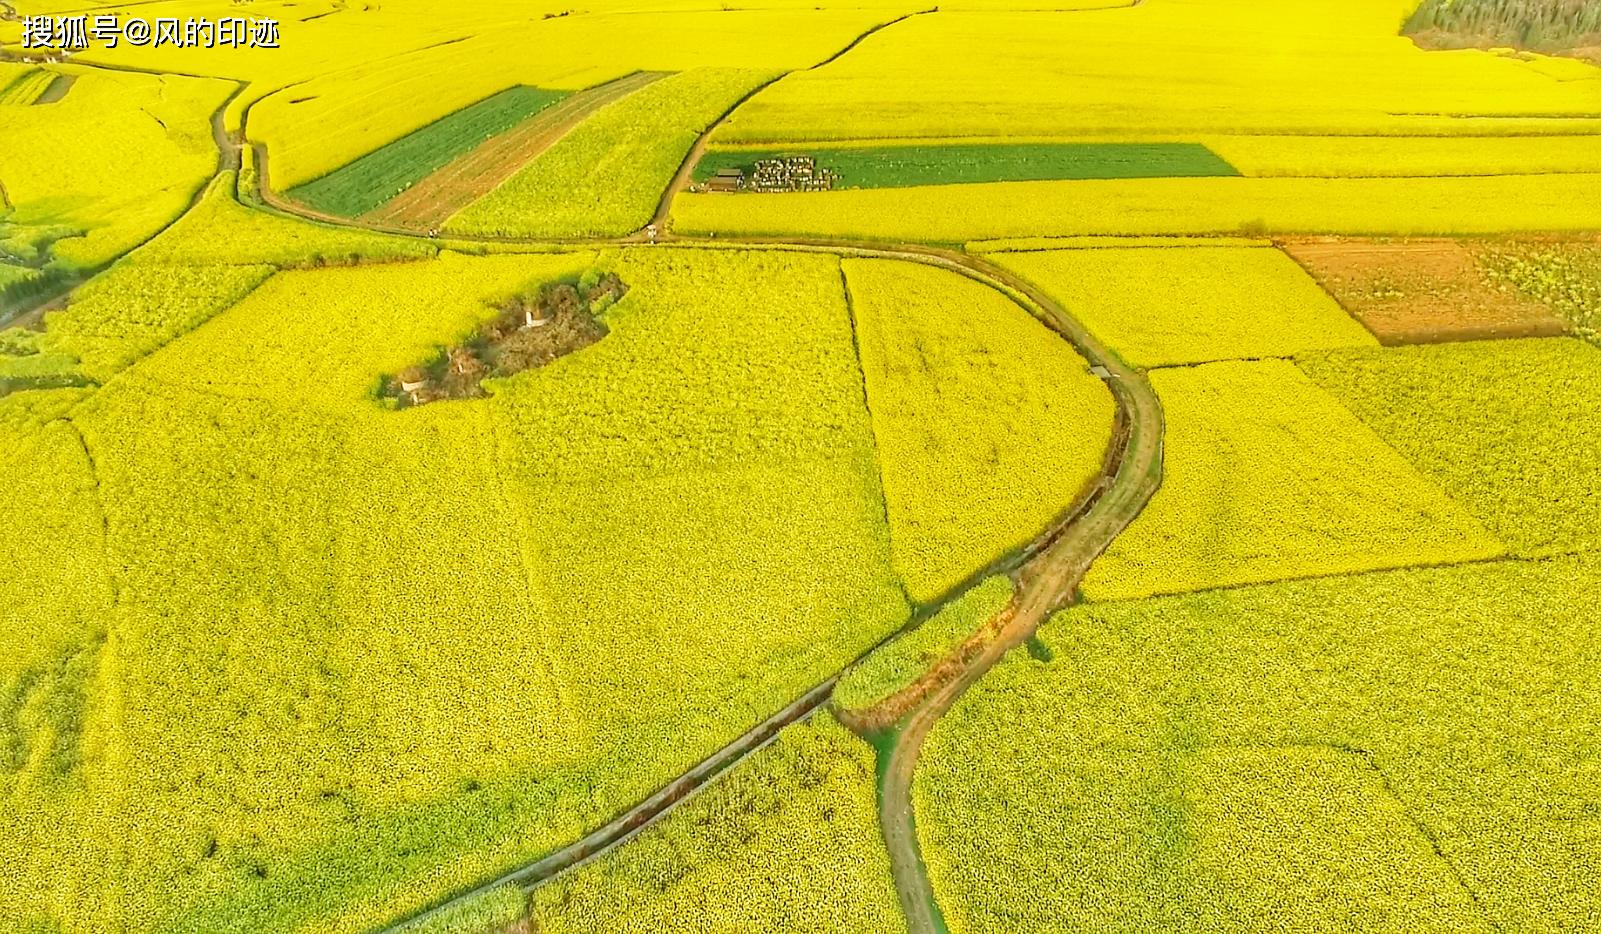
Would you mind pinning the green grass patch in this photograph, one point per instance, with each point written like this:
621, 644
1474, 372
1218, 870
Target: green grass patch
898, 665
27, 87
908, 166
380, 175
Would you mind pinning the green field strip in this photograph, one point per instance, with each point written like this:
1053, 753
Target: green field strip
375, 178
910, 166
27, 88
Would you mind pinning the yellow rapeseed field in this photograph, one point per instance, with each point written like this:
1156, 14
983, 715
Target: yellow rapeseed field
1158, 307
988, 425
1267, 477
279, 652
58, 849
1508, 428
280, 543
788, 841
1357, 156
316, 127
1385, 753
1175, 68
606, 176
115, 160
958, 213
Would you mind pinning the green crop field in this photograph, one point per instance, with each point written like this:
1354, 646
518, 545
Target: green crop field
907, 166
26, 88
606, 176
373, 179
1139, 476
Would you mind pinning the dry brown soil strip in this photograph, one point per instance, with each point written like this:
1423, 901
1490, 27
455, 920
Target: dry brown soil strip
474, 174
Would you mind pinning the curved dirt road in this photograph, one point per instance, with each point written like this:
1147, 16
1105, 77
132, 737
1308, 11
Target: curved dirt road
1046, 583
1057, 562
1052, 568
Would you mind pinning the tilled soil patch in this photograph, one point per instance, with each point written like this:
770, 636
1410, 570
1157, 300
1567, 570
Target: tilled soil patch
1421, 291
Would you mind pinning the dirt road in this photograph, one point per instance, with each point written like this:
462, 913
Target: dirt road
1046, 583
1053, 567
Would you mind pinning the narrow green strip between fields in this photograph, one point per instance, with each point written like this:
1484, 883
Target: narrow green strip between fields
908, 166
375, 178
27, 87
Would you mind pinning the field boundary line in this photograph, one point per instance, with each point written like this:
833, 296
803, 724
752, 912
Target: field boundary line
661, 220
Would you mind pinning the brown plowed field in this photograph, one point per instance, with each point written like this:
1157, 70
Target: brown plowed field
469, 177
1421, 291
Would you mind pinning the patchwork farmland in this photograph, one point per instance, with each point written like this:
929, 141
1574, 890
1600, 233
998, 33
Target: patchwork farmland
989, 468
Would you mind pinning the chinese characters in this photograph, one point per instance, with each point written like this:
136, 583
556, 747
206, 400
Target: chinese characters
73, 33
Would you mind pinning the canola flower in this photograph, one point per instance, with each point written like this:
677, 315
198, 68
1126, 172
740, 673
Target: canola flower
1507, 428
1351, 753
1160, 307
788, 840
988, 425
1267, 477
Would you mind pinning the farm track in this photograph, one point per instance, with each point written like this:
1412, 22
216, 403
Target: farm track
1047, 571
228, 159
476, 173
1052, 567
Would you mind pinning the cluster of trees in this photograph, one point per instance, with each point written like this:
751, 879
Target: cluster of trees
1542, 25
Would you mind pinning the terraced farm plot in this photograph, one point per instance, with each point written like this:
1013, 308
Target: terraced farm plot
989, 426
63, 186
470, 176
788, 841
1423, 291
279, 653
1394, 752
951, 164
606, 176
1159, 307
1507, 428
376, 178
386, 71
1269, 478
